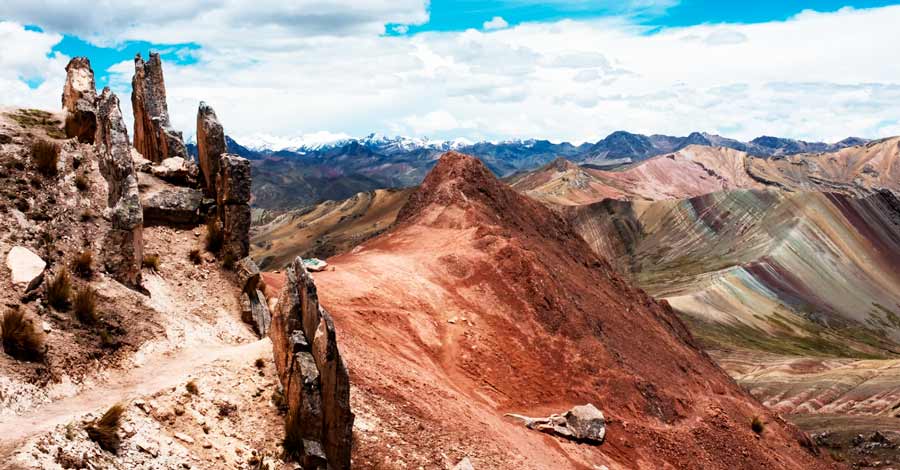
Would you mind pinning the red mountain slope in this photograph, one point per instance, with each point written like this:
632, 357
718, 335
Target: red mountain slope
481, 302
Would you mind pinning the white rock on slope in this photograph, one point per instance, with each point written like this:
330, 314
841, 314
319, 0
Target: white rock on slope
24, 264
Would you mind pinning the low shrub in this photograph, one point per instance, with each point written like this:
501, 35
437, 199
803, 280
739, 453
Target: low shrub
151, 262
194, 256
259, 363
192, 388
104, 431
292, 445
83, 264
20, 339
59, 290
45, 156
85, 306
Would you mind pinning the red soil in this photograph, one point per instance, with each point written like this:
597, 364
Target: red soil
480, 302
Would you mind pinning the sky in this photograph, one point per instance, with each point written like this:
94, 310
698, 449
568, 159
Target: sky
572, 70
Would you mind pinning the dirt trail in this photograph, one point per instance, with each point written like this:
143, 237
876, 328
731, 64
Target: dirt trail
158, 374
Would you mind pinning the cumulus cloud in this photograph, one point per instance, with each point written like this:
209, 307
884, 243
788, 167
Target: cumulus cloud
496, 22
815, 76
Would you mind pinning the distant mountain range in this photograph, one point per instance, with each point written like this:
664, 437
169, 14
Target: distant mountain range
296, 172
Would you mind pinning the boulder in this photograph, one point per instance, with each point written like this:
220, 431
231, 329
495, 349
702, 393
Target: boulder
174, 206
255, 312
154, 137
210, 147
175, 170
247, 274
310, 367
583, 423
24, 265
79, 100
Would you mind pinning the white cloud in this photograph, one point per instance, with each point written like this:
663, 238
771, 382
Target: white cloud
496, 22
25, 56
815, 76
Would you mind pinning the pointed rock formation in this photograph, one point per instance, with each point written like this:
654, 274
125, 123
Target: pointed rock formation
79, 99
124, 242
210, 147
154, 137
233, 205
311, 370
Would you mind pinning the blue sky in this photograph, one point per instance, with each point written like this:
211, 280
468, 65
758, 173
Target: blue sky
572, 70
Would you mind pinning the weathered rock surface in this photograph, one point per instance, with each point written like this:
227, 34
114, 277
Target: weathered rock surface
79, 99
174, 206
310, 367
233, 205
24, 265
210, 147
583, 423
247, 274
154, 137
124, 242
175, 170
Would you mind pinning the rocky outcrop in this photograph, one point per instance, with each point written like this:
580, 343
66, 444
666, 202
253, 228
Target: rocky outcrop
154, 137
210, 147
79, 100
175, 170
583, 423
233, 205
124, 242
311, 370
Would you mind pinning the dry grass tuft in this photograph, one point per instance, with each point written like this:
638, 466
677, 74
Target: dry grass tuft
82, 183
59, 290
45, 156
757, 425
83, 264
259, 363
194, 256
151, 262
104, 431
292, 445
214, 236
192, 388
228, 261
85, 306
20, 339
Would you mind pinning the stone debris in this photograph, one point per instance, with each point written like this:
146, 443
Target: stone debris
25, 265
175, 170
184, 437
154, 137
312, 372
464, 464
583, 423
79, 100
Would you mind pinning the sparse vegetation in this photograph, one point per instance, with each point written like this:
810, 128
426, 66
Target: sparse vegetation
151, 262
85, 306
104, 431
45, 156
259, 363
87, 215
194, 256
20, 339
757, 425
226, 408
83, 264
107, 340
82, 183
38, 118
278, 400
59, 290
292, 445
192, 388
214, 236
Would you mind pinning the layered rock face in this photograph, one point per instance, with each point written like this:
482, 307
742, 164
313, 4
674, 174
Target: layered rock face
233, 205
310, 367
124, 241
79, 99
154, 137
210, 147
